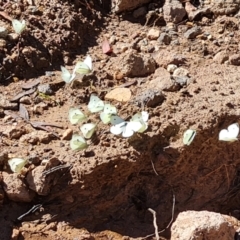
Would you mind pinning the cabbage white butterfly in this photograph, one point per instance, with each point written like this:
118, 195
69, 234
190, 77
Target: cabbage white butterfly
75, 115
88, 129
16, 164
108, 111
95, 104
77, 142
230, 134
188, 136
18, 26
84, 67
125, 128
66, 75
142, 118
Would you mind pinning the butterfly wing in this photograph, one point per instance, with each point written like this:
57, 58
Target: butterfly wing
109, 109
88, 129
95, 104
18, 26
233, 130
118, 128
66, 75
82, 68
116, 120
77, 142
88, 62
105, 117
188, 136
16, 164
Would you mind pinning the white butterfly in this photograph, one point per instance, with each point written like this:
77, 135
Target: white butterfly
66, 75
78, 143
84, 67
88, 129
120, 126
188, 136
17, 164
18, 26
230, 134
108, 111
142, 118
95, 104
75, 116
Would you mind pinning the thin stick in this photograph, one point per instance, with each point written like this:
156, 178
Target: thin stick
154, 222
51, 170
154, 168
32, 210
173, 209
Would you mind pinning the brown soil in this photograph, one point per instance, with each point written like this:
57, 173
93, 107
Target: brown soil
107, 190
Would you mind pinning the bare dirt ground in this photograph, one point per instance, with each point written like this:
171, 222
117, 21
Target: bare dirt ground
104, 192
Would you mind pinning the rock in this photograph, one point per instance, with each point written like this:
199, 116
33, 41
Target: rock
165, 57
180, 72
67, 135
40, 107
173, 11
14, 132
131, 64
192, 32
205, 225
221, 57
171, 68
149, 98
163, 81
16, 189
153, 34
165, 38
119, 94
181, 80
199, 13
36, 137
234, 59
25, 100
219, 7
3, 32
38, 182
45, 89
140, 12
126, 5
6, 104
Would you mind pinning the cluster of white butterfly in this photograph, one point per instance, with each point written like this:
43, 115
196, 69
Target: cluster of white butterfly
228, 135
19, 26
82, 68
138, 123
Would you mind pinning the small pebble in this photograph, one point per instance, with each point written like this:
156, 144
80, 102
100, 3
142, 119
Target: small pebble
171, 68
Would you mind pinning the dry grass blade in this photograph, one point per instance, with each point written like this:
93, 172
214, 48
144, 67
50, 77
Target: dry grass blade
22, 94
23, 112
29, 85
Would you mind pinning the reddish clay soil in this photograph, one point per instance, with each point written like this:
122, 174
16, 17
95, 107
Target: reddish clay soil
104, 192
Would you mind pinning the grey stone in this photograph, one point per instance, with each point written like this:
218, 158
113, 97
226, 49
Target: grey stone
149, 98
164, 38
193, 32
173, 11
45, 88
235, 59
